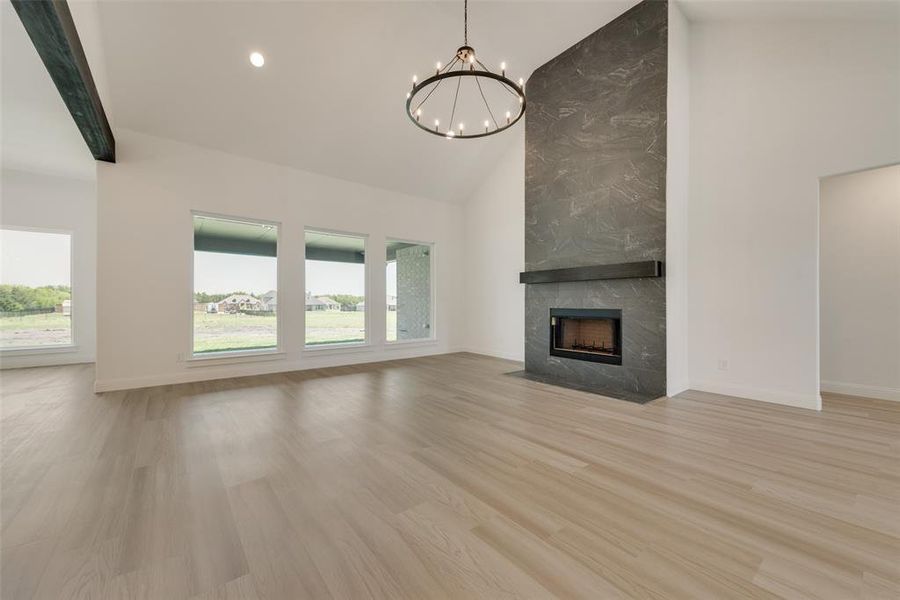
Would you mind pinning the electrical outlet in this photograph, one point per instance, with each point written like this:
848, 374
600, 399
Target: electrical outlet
723, 364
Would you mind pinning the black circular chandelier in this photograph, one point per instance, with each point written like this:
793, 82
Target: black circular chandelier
499, 102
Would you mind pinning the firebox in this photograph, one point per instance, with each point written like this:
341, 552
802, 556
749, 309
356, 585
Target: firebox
587, 334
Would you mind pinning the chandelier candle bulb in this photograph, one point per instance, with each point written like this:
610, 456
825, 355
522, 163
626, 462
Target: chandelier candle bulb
437, 68
508, 115
503, 69
418, 113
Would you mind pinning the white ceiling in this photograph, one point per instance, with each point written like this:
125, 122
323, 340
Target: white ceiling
330, 98
790, 10
38, 134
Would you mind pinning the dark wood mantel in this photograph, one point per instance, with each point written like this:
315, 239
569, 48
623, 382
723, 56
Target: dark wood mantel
629, 270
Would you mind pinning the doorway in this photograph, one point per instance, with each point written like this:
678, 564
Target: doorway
859, 283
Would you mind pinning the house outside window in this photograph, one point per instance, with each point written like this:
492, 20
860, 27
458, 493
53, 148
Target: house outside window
335, 289
235, 285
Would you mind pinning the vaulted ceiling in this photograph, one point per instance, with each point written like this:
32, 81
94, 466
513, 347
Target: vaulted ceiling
38, 133
330, 98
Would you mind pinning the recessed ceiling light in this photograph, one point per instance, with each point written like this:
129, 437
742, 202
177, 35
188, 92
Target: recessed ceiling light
257, 59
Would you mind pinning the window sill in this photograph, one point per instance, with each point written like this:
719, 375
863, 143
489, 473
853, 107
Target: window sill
338, 348
410, 343
30, 350
227, 358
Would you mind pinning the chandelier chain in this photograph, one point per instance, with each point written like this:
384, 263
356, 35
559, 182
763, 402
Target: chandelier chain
466, 22
455, 98
435, 87
428, 95
486, 105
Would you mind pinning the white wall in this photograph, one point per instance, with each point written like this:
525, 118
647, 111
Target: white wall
859, 287
145, 247
774, 106
494, 257
47, 202
677, 172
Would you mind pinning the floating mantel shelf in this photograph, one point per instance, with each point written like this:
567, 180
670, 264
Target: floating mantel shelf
629, 270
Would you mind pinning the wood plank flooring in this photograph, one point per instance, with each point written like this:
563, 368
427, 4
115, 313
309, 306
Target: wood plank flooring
438, 477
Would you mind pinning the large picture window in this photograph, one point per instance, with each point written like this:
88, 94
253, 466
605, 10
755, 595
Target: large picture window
335, 288
35, 289
409, 295
235, 285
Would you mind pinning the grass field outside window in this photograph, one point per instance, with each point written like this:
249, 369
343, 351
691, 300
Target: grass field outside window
236, 332
36, 330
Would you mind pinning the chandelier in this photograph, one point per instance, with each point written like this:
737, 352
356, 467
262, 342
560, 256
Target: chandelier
490, 101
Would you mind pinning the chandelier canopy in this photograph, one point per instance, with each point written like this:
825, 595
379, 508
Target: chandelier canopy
490, 101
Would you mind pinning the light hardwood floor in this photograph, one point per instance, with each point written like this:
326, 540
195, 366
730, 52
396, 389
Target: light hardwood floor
438, 478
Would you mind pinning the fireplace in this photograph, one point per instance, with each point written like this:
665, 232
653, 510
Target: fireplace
587, 334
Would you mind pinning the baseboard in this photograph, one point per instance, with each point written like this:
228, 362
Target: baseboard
859, 389
493, 353
673, 388
211, 373
193, 376
810, 401
50, 360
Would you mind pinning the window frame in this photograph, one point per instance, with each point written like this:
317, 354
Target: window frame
366, 344
72, 346
223, 356
433, 337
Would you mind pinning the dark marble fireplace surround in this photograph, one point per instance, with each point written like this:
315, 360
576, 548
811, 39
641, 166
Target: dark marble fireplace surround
595, 194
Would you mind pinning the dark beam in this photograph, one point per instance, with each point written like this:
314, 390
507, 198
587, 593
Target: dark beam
335, 255
210, 243
645, 268
52, 31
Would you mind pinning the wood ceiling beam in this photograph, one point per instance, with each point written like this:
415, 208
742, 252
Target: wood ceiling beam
52, 31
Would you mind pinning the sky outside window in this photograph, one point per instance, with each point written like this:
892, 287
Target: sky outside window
35, 289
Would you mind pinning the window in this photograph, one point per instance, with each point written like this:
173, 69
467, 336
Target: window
335, 288
408, 289
235, 285
35, 289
